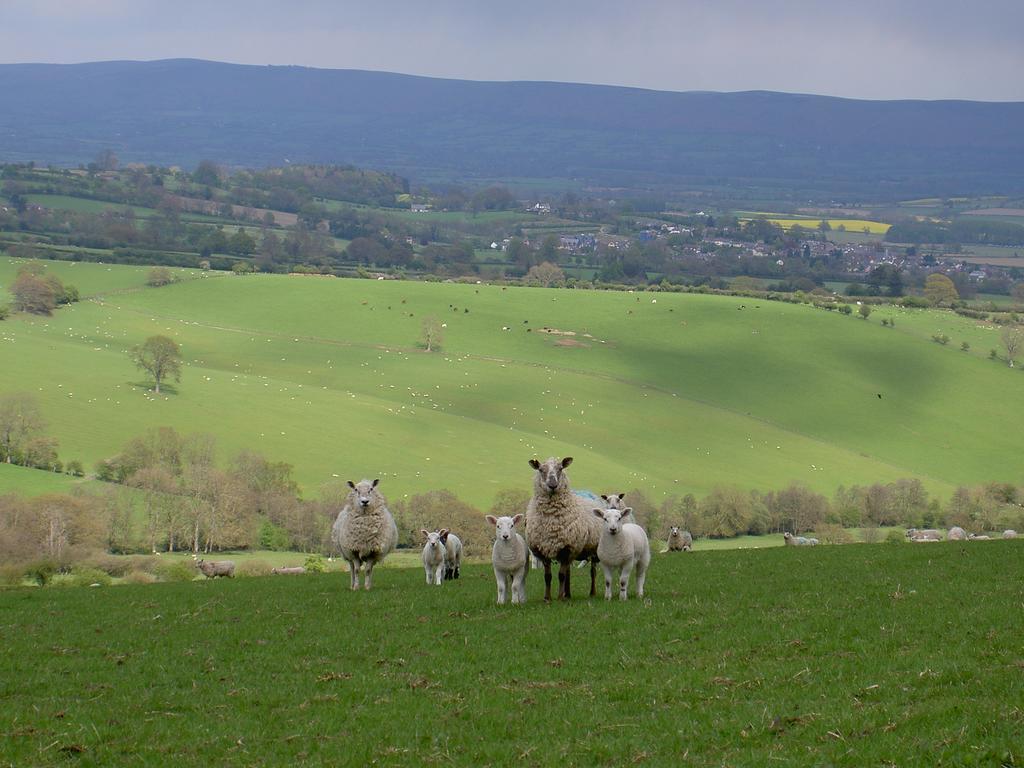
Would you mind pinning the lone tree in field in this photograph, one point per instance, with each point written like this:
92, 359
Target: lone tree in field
546, 275
431, 333
1013, 341
939, 289
864, 310
159, 276
160, 357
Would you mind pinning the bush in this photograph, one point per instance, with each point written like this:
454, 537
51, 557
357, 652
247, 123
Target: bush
895, 537
74, 468
272, 537
140, 577
110, 565
829, 533
940, 338
5, 311
252, 568
845, 309
965, 347
84, 576
315, 564
176, 570
41, 571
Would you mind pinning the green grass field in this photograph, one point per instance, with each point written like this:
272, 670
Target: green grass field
673, 393
858, 655
34, 482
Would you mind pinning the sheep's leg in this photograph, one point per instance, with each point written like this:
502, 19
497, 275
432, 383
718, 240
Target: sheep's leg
593, 577
564, 572
439, 575
627, 568
502, 586
368, 576
641, 576
429, 573
547, 581
353, 572
607, 581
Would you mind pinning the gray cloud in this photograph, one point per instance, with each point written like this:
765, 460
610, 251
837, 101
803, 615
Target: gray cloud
869, 49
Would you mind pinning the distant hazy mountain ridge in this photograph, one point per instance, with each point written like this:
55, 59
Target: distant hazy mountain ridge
182, 111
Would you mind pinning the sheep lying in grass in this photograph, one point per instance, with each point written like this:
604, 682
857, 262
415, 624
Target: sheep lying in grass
559, 526
1009, 533
623, 546
433, 556
956, 533
679, 540
364, 531
924, 534
979, 537
215, 568
798, 541
293, 570
509, 558
452, 554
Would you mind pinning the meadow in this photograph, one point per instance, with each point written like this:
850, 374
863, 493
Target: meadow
669, 392
867, 226
855, 655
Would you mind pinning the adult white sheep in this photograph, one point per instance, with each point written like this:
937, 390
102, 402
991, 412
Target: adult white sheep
509, 558
796, 541
956, 533
364, 531
560, 526
979, 537
1009, 533
679, 540
433, 557
453, 554
924, 534
216, 568
293, 570
623, 546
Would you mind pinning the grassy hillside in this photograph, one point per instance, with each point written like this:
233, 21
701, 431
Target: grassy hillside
671, 392
858, 655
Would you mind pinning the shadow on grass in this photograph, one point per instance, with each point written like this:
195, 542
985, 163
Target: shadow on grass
165, 389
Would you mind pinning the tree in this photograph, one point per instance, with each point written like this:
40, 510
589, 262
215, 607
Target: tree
546, 274
20, 421
864, 310
159, 276
34, 294
207, 174
1012, 339
431, 333
160, 357
939, 289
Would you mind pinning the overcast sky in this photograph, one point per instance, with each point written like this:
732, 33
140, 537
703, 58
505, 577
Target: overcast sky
888, 49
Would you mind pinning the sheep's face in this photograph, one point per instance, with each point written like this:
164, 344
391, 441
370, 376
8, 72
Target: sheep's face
612, 518
364, 492
674, 530
787, 535
614, 500
550, 472
434, 540
504, 527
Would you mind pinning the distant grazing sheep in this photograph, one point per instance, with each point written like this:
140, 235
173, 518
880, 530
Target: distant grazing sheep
797, 541
433, 557
364, 531
560, 526
924, 534
623, 546
453, 554
679, 540
215, 568
956, 533
1009, 534
509, 558
979, 537
290, 571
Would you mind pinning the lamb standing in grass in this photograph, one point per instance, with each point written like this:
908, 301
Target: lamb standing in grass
364, 532
433, 557
509, 558
453, 554
623, 546
559, 526
215, 568
679, 540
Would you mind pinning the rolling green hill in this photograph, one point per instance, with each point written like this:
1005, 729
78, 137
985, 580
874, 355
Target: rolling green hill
671, 392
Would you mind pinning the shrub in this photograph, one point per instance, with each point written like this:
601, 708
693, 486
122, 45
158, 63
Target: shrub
252, 568
895, 537
41, 571
965, 347
110, 565
74, 468
845, 309
272, 537
315, 564
940, 338
5, 311
864, 310
140, 577
84, 576
176, 570
830, 533
11, 575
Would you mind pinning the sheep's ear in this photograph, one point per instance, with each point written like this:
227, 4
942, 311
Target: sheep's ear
443, 533
626, 511
351, 485
534, 463
424, 532
622, 496
598, 512
517, 519
566, 461
491, 519
375, 483
603, 496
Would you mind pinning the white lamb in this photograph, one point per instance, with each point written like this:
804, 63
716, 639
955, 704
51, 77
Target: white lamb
509, 558
559, 526
453, 554
623, 546
433, 557
364, 531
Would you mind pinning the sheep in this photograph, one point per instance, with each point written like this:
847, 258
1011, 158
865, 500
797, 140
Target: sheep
679, 540
1009, 533
215, 568
364, 531
623, 546
290, 571
799, 541
433, 556
812, 542
509, 558
559, 526
453, 554
616, 501
923, 534
956, 533
978, 537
